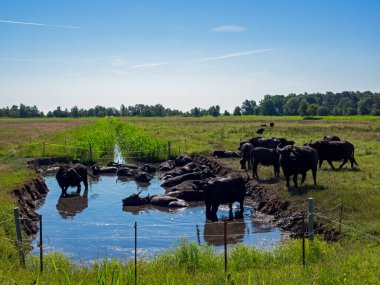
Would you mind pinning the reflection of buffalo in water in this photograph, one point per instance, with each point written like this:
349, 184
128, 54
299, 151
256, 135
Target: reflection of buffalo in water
214, 232
69, 206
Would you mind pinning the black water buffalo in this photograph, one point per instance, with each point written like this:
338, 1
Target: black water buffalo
71, 176
246, 149
223, 190
265, 156
298, 160
270, 143
334, 151
260, 131
331, 138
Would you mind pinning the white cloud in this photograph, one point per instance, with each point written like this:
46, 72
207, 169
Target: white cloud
229, 29
38, 24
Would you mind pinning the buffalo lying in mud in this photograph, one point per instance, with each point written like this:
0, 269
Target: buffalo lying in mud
298, 160
155, 200
265, 156
71, 176
224, 154
334, 151
223, 190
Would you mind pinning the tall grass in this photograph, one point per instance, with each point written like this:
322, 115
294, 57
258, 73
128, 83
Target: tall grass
136, 144
188, 263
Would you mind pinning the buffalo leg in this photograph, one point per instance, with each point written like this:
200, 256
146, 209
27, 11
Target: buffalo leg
303, 177
295, 177
254, 170
332, 166
230, 214
242, 164
78, 189
320, 163
214, 210
208, 211
314, 172
287, 181
344, 162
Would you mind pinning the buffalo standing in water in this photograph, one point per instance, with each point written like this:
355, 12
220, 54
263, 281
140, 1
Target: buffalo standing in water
223, 190
71, 176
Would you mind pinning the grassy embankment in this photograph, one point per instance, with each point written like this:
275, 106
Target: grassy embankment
354, 260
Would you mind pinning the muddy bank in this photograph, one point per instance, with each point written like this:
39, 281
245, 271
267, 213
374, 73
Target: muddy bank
29, 197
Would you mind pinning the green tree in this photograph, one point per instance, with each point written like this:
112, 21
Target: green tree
249, 107
237, 111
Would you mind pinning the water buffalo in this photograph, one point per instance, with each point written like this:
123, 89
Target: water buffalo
334, 151
331, 138
223, 190
270, 143
265, 156
260, 131
298, 160
246, 149
71, 176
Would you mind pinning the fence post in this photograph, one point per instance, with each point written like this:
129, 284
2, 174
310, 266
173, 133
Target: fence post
135, 253
310, 218
41, 248
303, 239
168, 150
225, 246
20, 247
340, 217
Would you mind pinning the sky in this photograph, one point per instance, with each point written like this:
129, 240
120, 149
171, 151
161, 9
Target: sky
183, 54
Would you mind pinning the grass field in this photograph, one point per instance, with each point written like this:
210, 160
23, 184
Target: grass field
354, 260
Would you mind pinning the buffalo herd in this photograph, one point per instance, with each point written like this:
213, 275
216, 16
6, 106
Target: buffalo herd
187, 179
294, 160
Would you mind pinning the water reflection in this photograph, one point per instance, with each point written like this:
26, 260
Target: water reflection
213, 233
98, 215
72, 204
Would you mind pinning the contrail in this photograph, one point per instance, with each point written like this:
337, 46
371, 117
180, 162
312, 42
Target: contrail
237, 54
38, 24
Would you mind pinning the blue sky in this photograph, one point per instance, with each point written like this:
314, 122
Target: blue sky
184, 53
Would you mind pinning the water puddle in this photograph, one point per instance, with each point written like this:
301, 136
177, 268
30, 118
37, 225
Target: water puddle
95, 225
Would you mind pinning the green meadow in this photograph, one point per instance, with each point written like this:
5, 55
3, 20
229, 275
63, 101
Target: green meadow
354, 259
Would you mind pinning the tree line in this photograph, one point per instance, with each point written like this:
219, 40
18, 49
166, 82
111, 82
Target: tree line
314, 104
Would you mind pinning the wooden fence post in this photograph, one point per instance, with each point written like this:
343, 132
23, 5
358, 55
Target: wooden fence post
41, 248
310, 218
20, 247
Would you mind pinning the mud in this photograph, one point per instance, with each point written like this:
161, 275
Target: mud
29, 197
